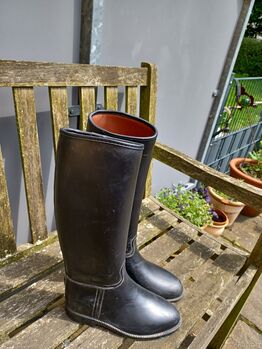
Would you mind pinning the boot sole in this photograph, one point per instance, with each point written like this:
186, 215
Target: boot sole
176, 299
84, 319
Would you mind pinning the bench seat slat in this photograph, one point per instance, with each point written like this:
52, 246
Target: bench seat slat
29, 145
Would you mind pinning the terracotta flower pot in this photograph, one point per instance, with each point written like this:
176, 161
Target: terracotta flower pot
217, 228
229, 207
237, 173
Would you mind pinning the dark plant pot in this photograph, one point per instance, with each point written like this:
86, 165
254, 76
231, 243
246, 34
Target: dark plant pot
235, 171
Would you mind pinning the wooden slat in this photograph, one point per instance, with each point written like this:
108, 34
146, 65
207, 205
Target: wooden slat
59, 110
241, 191
7, 238
148, 109
30, 302
111, 98
166, 245
242, 337
19, 73
28, 137
153, 226
220, 310
45, 333
17, 274
87, 104
131, 100
96, 338
198, 297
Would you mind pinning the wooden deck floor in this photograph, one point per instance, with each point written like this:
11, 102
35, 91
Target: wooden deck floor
248, 330
31, 288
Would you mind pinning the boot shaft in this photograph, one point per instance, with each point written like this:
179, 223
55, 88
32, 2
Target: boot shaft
128, 127
94, 189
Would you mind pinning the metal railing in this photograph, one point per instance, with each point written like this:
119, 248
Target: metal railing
239, 126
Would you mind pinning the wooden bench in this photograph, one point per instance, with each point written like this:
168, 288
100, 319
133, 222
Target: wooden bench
215, 274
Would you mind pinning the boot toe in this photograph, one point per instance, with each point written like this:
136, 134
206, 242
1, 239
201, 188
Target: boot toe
154, 278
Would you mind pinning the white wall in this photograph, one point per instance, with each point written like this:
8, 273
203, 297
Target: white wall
188, 40
34, 30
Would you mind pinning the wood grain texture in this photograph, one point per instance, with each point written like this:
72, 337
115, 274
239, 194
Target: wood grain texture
239, 190
19, 73
7, 238
153, 226
30, 154
197, 298
45, 333
87, 104
59, 110
96, 338
111, 98
131, 100
148, 96
30, 302
220, 309
23, 271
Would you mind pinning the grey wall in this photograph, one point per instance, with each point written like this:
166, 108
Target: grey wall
34, 30
188, 40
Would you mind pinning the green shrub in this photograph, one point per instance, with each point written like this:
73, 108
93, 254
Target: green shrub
249, 60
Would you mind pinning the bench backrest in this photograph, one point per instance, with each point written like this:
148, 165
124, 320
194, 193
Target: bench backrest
22, 77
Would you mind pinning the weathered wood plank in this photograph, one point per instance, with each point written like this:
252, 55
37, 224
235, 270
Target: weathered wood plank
166, 245
30, 302
148, 207
131, 100
197, 298
45, 333
29, 144
148, 108
7, 237
59, 110
241, 191
242, 337
153, 226
111, 98
245, 232
220, 310
96, 338
21, 272
19, 73
253, 304
87, 104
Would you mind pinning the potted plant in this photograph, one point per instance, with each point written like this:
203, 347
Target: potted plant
225, 203
218, 224
194, 205
249, 170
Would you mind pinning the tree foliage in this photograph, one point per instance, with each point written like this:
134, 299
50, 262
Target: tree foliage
254, 27
249, 60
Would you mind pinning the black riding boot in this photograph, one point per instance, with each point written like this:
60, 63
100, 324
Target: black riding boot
130, 128
94, 189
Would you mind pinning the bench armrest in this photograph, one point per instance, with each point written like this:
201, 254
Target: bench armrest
239, 190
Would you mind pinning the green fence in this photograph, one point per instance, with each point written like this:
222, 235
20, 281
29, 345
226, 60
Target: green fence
242, 107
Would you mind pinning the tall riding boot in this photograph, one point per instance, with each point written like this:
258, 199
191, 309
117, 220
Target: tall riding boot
130, 128
95, 182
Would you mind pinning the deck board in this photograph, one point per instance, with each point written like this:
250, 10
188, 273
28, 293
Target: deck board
33, 307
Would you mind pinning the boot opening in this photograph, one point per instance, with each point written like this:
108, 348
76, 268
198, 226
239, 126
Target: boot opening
122, 125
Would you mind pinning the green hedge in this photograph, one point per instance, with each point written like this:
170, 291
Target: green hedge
249, 60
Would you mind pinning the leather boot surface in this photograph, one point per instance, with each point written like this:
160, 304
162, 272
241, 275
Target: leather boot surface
95, 182
131, 128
